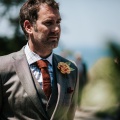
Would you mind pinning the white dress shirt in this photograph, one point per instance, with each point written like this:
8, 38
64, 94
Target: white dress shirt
32, 58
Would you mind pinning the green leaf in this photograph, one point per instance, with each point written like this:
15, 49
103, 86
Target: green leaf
71, 69
68, 63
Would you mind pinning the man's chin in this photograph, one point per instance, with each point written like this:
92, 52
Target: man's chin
54, 45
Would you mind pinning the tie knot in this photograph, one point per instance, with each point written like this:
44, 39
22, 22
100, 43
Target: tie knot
42, 63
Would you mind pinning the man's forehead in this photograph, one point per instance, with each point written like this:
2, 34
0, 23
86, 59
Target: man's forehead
48, 11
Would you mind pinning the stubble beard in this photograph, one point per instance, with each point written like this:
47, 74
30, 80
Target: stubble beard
52, 45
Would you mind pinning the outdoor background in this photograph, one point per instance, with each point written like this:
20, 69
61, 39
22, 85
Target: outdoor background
87, 25
90, 28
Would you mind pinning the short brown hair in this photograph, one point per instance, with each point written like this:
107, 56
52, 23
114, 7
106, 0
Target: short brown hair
29, 11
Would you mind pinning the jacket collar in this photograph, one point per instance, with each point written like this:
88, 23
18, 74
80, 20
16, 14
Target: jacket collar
24, 74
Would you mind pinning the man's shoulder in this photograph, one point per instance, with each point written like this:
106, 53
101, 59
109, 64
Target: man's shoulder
7, 59
63, 59
60, 58
7, 62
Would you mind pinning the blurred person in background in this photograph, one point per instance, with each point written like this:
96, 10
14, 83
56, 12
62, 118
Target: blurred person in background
23, 93
82, 68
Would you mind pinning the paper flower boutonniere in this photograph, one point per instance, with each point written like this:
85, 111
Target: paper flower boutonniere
64, 67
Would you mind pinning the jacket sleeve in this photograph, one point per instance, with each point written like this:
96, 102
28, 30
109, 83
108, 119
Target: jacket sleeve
73, 106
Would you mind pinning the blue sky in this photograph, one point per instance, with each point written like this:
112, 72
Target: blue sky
86, 23
89, 23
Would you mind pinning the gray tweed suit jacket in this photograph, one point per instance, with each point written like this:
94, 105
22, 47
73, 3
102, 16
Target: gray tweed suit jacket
22, 99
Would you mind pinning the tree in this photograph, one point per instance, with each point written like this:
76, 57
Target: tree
10, 12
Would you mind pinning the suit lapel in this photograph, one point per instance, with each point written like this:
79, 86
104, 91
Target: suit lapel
23, 72
61, 84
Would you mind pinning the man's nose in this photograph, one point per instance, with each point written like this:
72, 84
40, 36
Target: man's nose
56, 28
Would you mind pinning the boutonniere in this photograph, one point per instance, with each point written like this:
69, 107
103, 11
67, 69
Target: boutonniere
64, 67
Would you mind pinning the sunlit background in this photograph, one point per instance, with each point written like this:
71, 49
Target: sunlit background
90, 28
86, 26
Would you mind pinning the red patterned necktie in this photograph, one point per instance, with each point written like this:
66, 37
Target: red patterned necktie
43, 65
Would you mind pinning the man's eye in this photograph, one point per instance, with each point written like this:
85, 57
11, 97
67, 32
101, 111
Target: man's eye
58, 22
48, 23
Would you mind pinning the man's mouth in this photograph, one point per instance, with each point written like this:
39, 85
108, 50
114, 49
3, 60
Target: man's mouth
53, 37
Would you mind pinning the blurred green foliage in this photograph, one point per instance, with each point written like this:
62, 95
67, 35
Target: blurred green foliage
14, 43
102, 92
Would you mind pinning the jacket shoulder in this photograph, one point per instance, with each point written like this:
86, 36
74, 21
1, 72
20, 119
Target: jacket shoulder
62, 59
7, 60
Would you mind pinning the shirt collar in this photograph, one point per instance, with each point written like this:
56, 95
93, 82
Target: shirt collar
33, 57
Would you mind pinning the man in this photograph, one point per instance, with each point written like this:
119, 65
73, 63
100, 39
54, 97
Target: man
22, 94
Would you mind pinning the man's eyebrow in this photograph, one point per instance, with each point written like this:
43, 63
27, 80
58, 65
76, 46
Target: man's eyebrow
52, 19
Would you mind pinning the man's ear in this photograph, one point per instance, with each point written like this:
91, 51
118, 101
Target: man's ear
28, 26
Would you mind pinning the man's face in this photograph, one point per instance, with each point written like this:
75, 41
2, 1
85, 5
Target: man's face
46, 30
